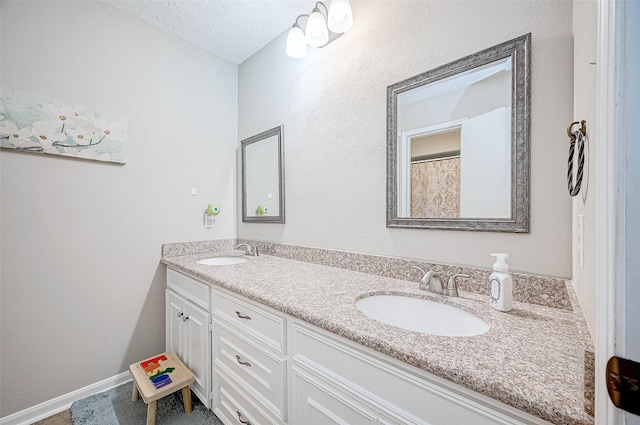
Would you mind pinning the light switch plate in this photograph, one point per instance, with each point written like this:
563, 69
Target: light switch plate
580, 239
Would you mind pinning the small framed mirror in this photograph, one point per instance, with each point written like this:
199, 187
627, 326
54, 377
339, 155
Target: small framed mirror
263, 177
458, 144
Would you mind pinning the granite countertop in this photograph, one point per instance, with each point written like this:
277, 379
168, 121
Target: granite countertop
532, 358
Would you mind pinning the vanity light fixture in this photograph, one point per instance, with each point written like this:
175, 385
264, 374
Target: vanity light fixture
316, 34
296, 47
340, 16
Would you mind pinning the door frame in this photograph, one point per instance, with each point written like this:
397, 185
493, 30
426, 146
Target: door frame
610, 181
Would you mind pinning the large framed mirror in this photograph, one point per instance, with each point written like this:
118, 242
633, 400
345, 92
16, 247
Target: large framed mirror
458, 143
263, 177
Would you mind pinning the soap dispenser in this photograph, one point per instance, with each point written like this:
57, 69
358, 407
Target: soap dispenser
500, 284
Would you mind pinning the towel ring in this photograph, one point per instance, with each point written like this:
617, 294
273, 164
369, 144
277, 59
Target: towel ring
576, 137
583, 129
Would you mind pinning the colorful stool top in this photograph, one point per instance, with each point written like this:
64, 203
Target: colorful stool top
160, 375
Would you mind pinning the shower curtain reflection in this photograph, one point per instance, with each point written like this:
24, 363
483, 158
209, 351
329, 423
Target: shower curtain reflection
435, 188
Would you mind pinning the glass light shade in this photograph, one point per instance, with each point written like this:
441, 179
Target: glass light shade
296, 46
316, 33
340, 16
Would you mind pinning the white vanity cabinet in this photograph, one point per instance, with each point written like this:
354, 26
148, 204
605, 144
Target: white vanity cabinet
270, 368
188, 328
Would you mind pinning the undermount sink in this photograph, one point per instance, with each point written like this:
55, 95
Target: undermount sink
222, 261
421, 315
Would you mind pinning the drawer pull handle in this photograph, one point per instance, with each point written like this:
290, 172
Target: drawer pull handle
241, 362
240, 315
240, 418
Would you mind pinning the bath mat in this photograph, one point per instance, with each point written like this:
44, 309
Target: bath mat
114, 407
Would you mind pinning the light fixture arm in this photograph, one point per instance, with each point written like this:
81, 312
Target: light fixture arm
301, 17
306, 15
326, 11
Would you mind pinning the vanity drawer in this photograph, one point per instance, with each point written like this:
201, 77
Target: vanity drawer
318, 404
191, 289
261, 373
263, 325
234, 408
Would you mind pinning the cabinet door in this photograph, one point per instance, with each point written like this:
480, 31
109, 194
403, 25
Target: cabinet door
174, 325
197, 349
188, 336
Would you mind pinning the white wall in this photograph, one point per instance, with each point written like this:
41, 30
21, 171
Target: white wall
481, 97
82, 287
333, 107
485, 165
585, 21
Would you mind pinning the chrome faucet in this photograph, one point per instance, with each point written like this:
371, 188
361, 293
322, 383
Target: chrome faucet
430, 281
248, 249
452, 286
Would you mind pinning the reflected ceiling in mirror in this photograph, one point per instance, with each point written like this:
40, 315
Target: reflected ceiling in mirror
458, 144
263, 177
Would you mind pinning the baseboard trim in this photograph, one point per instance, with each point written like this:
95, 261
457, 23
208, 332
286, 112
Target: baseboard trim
59, 404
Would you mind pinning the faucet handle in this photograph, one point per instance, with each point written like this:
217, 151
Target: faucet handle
424, 273
452, 286
248, 250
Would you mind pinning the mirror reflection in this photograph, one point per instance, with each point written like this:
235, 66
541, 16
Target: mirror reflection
263, 178
455, 145
458, 144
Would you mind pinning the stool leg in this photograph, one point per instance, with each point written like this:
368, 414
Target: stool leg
186, 398
151, 413
134, 392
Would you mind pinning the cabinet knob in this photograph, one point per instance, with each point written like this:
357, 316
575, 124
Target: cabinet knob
180, 314
185, 318
240, 418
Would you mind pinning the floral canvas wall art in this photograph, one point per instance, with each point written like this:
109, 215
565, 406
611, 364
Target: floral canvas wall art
36, 124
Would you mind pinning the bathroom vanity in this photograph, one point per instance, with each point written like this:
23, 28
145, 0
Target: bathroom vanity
278, 341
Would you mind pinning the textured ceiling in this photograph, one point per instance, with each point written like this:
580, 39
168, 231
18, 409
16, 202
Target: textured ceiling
230, 29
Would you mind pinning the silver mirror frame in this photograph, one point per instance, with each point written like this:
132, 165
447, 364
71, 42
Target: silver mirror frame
279, 132
520, 50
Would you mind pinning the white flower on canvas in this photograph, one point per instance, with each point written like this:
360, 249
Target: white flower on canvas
47, 133
67, 115
85, 134
112, 130
17, 136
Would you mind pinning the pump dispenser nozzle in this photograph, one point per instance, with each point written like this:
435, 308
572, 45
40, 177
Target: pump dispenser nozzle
500, 265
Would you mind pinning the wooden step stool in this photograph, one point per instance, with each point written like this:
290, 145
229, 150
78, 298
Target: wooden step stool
160, 376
